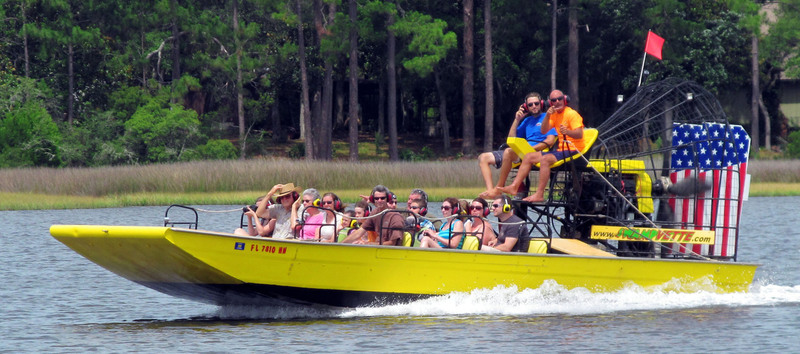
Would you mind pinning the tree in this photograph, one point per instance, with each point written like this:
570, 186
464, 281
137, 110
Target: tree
428, 44
62, 32
468, 91
352, 11
488, 81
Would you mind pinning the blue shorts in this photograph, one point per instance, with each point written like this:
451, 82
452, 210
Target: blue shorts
561, 154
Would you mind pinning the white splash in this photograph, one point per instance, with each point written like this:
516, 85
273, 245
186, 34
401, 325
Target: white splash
547, 300
554, 299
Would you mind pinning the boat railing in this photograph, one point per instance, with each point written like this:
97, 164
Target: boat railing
189, 223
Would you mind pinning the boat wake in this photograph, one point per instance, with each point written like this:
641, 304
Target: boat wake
551, 299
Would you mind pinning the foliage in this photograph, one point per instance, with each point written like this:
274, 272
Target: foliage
217, 149
793, 148
139, 69
297, 151
29, 137
162, 132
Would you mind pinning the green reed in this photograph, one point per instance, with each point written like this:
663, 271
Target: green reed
236, 175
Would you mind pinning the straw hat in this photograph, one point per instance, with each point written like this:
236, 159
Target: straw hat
287, 189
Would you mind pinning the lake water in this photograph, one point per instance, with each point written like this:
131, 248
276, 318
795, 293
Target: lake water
54, 300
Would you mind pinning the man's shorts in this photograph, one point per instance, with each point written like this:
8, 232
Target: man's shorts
498, 158
561, 154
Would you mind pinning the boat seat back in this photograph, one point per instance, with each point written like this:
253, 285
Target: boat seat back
408, 239
521, 147
471, 243
537, 246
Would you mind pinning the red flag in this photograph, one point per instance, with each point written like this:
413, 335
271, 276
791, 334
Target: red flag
653, 45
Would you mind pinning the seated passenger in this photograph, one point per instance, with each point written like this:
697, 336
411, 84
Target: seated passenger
262, 227
362, 209
527, 124
420, 207
306, 221
570, 125
392, 201
477, 224
387, 227
285, 196
451, 233
331, 222
417, 193
512, 235
348, 225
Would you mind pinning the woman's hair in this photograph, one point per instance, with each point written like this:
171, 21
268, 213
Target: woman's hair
312, 192
363, 204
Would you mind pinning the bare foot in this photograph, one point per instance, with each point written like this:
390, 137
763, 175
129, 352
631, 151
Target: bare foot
533, 199
508, 189
492, 194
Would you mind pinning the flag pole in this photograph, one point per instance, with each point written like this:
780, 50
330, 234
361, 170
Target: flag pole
643, 59
641, 71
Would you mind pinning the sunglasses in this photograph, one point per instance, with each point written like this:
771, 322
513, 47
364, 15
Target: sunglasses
326, 202
554, 100
306, 200
379, 198
446, 207
413, 207
495, 206
531, 104
476, 207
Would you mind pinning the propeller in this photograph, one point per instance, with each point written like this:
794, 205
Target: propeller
685, 188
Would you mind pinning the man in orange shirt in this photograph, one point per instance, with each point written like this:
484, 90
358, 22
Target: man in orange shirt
569, 125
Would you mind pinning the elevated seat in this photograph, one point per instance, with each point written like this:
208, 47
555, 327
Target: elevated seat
521, 146
589, 137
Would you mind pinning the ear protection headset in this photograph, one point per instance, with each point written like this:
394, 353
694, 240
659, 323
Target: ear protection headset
316, 202
367, 210
423, 211
353, 223
485, 210
456, 209
546, 103
506, 205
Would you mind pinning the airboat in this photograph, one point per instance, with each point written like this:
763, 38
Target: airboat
654, 201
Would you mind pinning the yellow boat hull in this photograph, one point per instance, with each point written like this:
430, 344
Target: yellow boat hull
222, 269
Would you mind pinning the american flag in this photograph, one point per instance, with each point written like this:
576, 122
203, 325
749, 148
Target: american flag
717, 155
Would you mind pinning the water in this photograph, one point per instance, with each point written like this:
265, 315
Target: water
52, 299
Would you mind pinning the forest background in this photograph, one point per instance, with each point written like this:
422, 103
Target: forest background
97, 83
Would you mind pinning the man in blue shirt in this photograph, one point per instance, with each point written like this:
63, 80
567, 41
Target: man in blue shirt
527, 124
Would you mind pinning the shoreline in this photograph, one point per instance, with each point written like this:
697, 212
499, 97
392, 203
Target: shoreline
38, 201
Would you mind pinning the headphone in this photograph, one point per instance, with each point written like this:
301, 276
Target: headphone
337, 203
367, 210
546, 103
506, 204
389, 194
485, 210
456, 209
423, 211
353, 223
